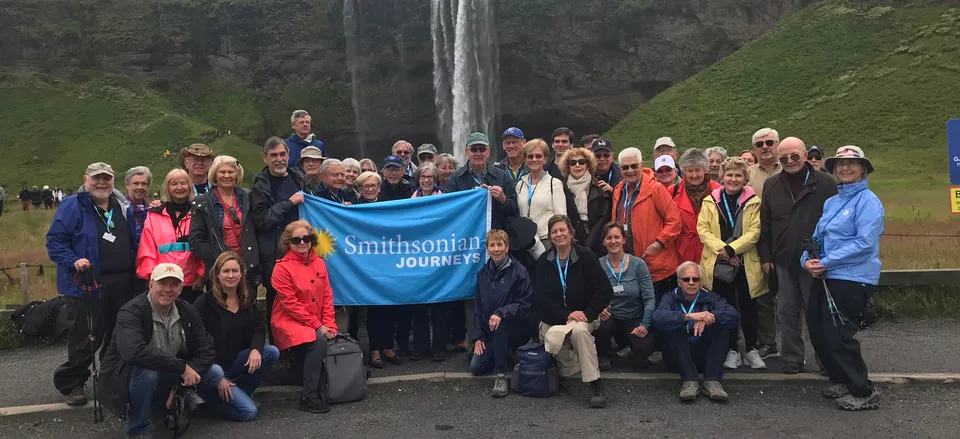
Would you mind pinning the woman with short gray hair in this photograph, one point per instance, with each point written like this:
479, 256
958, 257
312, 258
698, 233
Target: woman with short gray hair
689, 195
715, 155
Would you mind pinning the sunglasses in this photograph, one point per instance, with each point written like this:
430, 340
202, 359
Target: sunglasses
790, 158
767, 142
602, 155
580, 162
402, 152
534, 156
690, 279
232, 212
297, 240
633, 166
814, 156
478, 148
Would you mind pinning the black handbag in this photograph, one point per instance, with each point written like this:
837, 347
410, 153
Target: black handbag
722, 270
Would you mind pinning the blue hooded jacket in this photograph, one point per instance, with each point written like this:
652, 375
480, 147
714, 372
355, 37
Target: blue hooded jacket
295, 144
669, 317
849, 233
505, 291
73, 236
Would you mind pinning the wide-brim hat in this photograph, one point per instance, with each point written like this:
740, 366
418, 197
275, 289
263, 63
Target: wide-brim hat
848, 152
196, 150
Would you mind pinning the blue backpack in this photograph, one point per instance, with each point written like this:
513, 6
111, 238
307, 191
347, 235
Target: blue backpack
535, 375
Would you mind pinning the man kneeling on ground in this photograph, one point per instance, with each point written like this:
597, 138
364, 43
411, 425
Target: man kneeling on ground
501, 311
159, 342
695, 326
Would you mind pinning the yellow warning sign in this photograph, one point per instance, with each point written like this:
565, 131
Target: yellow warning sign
955, 199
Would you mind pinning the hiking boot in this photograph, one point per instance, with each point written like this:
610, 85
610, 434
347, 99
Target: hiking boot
625, 353
854, 403
753, 360
768, 351
499, 386
656, 357
689, 391
836, 391
791, 368
77, 396
461, 347
604, 364
714, 391
313, 405
733, 360
598, 398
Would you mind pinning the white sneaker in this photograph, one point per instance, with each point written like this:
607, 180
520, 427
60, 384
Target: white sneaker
625, 353
656, 357
733, 360
753, 360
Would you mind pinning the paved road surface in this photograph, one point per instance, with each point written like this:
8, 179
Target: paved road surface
910, 346
446, 410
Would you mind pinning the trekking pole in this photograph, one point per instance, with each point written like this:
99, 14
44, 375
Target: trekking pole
835, 313
88, 286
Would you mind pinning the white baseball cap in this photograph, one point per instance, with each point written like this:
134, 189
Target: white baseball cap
166, 270
664, 160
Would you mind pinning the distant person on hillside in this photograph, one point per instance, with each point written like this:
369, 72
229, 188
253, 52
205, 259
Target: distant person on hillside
513, 164
47, 195
562, 140
57, 196
24, 198
138, 180
36, 197
426, 153
815, 157
765, 143
3, 198
302, 137
849, 238
716, 155
93, 240
791, 204
749, 157
404, 150
666, 171
587, 141
311, 159
196, 160
608, 172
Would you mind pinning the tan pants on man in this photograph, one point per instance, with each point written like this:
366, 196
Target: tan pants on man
577, 352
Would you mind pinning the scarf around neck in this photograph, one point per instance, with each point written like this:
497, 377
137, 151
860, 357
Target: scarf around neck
580, 188
696, 193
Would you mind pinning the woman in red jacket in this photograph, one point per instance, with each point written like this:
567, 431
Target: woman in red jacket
165, 235
302, 315
688, 195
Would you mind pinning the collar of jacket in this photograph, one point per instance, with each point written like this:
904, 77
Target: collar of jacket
507, 261
263, 178
806, 168
297, 257
745, 193
305, 141
849, 190
83, 197
552, 256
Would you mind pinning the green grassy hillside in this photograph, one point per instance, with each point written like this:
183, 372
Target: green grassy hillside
832, 74
53, 128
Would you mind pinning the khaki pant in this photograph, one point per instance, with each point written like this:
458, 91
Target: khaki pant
578, 353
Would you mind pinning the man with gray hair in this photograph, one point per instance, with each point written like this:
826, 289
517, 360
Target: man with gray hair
301, 137
333, 183
716, 155
766, 145
137, 180
404, 150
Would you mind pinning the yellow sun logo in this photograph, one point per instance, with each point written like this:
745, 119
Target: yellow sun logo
326, 244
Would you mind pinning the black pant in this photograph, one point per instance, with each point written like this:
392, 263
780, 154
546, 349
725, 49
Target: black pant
621, 331
1, 207
836, 346
311, 356
354, 316
706, 354
403, 315
664, 286
458, 321
271, 293
381, 327
115, 291
425, 317
737, 294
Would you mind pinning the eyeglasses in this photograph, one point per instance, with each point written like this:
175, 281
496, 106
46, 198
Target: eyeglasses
534, 156
761, 143
402, 152
426, 177
580, 162
633, 166
297, 240
814, 156
478, 148
690, 280
790, 158
369, 186
664, 170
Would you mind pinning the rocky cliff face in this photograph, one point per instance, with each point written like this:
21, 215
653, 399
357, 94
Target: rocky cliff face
579, 63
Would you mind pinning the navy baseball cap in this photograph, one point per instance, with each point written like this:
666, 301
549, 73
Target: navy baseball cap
393, 160
512, 131
602, 144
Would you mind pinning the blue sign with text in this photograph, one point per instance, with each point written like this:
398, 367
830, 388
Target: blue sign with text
953, 147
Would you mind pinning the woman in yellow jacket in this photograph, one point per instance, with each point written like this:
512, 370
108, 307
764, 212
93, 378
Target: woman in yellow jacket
729, 227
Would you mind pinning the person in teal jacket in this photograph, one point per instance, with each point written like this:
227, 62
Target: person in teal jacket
848, 265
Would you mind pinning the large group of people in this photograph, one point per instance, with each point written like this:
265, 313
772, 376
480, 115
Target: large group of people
593, 256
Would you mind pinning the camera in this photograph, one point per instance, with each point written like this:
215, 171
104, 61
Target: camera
812, 247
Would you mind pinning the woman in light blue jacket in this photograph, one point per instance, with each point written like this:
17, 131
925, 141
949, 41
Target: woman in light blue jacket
846, 258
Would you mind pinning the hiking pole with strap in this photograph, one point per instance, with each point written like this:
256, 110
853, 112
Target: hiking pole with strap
812, 247
86, 281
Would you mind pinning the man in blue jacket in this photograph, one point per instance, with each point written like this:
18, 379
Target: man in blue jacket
93, 240
504, 298
477, 174
695, 326
301, 137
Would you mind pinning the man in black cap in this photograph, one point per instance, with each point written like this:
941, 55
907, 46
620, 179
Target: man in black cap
815, 157
608, 172
513, 164
395, 186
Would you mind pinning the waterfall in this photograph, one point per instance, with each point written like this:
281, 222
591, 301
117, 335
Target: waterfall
465, 70
351, 9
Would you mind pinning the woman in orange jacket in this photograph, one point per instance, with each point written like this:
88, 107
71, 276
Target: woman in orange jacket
302, 316
688, 195
165, 235
650, 219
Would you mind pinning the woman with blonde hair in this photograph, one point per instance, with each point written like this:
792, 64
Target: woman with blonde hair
592, 204
165, 235
446, 164
232, 318
540, 196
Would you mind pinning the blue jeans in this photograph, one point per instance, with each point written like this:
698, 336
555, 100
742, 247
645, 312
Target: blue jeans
148, 391
706, 354
241, 407
508, 336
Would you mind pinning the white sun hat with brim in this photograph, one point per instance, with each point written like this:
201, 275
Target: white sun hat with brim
848, 152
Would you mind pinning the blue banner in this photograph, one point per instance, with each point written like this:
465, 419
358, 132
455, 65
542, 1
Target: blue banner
420, 250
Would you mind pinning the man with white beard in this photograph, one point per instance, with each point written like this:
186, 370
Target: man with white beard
93, 240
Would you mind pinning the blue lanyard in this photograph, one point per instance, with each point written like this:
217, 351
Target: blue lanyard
519, 175
610, 174
435, 189
692, 304
109, 218
479, 181
194, 187
531, 188
626, 199
730, 219
805, 179
563, 276
617, 276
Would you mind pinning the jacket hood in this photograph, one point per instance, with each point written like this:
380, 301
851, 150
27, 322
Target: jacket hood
297, 257
745, 194
507, 261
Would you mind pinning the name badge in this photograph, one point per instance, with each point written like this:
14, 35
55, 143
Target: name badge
109, 237
618, 288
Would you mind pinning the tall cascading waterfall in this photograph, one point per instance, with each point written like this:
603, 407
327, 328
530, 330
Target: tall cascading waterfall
465, 70
351, 11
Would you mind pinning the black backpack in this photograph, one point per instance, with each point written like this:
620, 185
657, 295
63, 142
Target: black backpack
44, 319
344, 371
